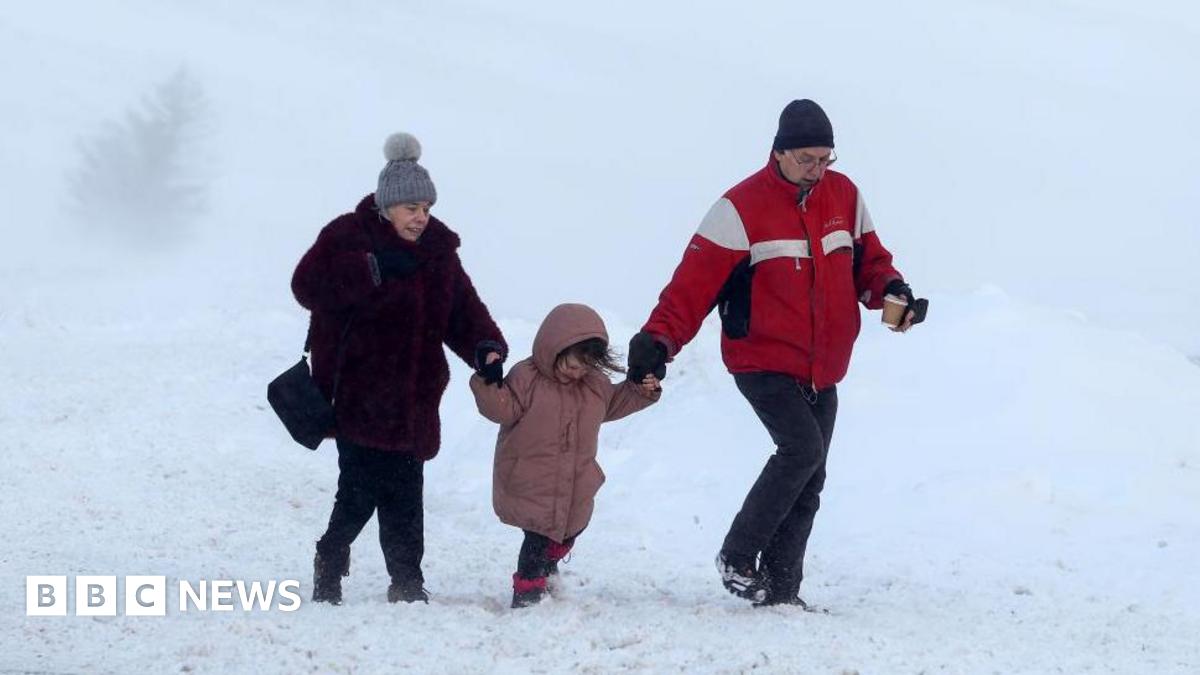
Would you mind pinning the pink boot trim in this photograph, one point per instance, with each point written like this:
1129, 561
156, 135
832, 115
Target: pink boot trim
523, 585
556, 551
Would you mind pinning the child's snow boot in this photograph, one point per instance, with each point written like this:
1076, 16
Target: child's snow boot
554, 553
527, 592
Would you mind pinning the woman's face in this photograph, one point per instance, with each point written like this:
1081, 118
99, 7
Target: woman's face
409, 218
571, 367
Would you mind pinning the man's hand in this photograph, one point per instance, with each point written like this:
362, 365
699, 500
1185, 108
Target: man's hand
914, 313
898, 288
647, 356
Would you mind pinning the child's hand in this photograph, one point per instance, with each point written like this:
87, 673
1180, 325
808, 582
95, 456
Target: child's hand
650, 384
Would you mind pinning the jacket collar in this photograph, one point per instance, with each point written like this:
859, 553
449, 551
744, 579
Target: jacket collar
778, 183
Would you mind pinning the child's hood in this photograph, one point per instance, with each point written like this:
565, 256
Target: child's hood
564, 326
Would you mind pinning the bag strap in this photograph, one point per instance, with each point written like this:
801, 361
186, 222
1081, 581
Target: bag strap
337, 372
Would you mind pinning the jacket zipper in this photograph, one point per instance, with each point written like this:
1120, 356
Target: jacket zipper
814, 300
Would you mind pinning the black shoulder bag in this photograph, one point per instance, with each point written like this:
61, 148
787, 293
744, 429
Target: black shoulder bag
296, 398
298, 401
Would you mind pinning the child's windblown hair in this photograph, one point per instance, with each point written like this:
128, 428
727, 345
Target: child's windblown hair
594, 353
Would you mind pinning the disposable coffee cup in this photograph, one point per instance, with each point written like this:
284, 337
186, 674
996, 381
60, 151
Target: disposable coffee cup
893, 310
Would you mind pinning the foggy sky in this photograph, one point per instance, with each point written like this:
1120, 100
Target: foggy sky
1046, 148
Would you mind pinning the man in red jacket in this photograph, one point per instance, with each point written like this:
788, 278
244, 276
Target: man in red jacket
785, 256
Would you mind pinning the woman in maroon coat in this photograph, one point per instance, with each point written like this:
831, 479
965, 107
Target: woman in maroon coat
387, 289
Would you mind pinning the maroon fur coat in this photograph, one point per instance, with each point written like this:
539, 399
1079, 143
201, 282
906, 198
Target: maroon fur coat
394, 369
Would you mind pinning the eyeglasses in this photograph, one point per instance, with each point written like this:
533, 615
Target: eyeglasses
807, 162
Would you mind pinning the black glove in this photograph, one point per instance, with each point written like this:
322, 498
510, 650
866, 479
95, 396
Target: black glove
492, 373
898, 288
396, 264
918, 306
646, 356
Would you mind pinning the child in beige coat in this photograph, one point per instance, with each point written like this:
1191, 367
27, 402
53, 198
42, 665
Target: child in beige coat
550, 408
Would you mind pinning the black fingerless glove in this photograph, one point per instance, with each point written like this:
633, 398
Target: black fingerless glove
647, 356
918, 306
898, 288
492, 373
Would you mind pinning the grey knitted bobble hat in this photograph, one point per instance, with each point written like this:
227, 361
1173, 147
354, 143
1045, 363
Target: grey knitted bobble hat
402, 179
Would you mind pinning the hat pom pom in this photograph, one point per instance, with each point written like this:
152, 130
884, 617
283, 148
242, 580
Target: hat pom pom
402, 147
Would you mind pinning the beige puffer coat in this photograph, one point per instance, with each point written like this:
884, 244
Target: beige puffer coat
545, 476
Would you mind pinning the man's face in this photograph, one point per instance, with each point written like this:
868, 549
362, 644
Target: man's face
804, 166
409, 219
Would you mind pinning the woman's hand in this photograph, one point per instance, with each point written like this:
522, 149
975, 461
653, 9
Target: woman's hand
396, 264
489, 363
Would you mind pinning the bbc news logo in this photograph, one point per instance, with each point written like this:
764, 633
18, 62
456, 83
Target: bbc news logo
147, 596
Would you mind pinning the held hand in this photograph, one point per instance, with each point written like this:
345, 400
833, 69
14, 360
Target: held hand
489, 363
647, 356
651, 384
492, 372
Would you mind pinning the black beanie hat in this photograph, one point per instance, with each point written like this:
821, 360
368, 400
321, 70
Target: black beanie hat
803, 124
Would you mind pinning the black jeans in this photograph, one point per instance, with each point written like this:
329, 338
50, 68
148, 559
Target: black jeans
533, 562
777, 515
392, 483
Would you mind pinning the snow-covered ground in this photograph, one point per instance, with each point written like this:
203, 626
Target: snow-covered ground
1012, 489
1013, 486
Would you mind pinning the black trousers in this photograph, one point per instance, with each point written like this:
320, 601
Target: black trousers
392, 483
777, 515
533, 562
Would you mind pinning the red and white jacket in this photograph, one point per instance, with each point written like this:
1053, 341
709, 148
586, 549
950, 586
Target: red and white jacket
812, 262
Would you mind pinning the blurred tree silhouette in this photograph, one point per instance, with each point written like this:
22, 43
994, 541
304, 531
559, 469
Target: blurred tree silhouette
144, 177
